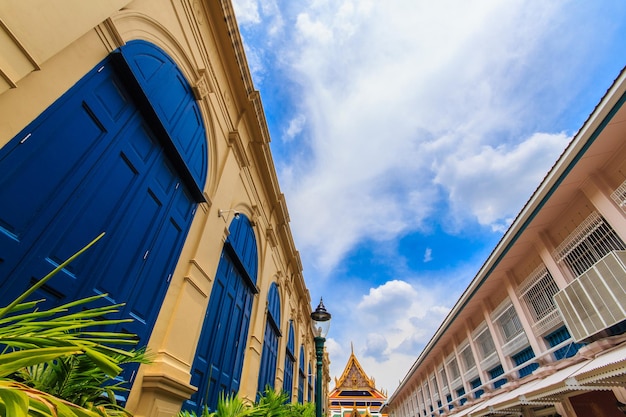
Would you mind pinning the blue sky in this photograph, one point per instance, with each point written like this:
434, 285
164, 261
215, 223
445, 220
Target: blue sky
407, 135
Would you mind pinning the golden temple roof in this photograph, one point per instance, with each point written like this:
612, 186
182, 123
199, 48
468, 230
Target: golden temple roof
354, 378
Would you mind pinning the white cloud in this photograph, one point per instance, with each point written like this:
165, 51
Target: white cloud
334, 348
413, 115
391, 297
294, 127
376, 346
492, 181
394, 94
389, 325
247, 12
313, 29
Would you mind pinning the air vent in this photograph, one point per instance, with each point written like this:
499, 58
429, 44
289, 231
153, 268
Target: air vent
596, 300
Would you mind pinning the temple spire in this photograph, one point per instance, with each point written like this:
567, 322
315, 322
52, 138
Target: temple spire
356, 391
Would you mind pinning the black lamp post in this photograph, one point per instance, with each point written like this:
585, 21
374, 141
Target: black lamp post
321, 324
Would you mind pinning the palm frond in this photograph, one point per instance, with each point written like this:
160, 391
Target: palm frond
4, 311
57, 363
19, 400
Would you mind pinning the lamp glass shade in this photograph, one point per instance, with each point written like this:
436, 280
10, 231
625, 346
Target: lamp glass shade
321, 320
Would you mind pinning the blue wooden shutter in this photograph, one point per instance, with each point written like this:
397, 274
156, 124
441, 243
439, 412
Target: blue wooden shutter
267, 370
220, 352
289, 363
301, 376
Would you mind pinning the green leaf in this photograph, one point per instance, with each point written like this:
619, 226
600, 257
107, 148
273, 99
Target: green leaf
42, 281
13, 361
43, 404
15, 402
104, 362
67, 366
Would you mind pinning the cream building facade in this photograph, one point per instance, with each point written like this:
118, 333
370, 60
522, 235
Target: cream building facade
540, 330
140, 119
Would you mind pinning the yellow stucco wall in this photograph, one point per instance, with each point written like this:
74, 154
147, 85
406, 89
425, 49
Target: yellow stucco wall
47, 47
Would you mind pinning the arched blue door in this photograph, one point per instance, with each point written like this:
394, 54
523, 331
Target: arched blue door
96, 161
310, 379
267, 371
301, 376
219, 356
290, 360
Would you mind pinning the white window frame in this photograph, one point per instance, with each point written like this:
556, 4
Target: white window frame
465, 352
443, 376
587, 244
452, 367
537, 292
508, 322
484, 342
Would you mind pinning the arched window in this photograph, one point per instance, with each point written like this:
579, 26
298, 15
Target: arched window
310, 378
290, 360
267, 371
301, 376
219, 356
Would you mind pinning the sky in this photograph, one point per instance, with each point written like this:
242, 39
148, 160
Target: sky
407, 135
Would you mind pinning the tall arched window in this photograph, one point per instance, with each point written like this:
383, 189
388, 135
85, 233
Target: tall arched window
219, 356
267, 371
301, 376
290, 360
310, 383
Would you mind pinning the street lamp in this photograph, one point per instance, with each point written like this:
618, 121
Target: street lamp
321, 323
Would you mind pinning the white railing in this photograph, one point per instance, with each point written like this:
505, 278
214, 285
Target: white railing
547, 323
587, 244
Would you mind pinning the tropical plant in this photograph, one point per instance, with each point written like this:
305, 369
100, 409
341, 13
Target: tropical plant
300, 410
270, 404
230, 405
274, 402
35, 343
191, 413
75, 379
234, 406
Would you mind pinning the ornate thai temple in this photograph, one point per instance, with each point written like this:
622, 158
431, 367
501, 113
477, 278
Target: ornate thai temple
355, 394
